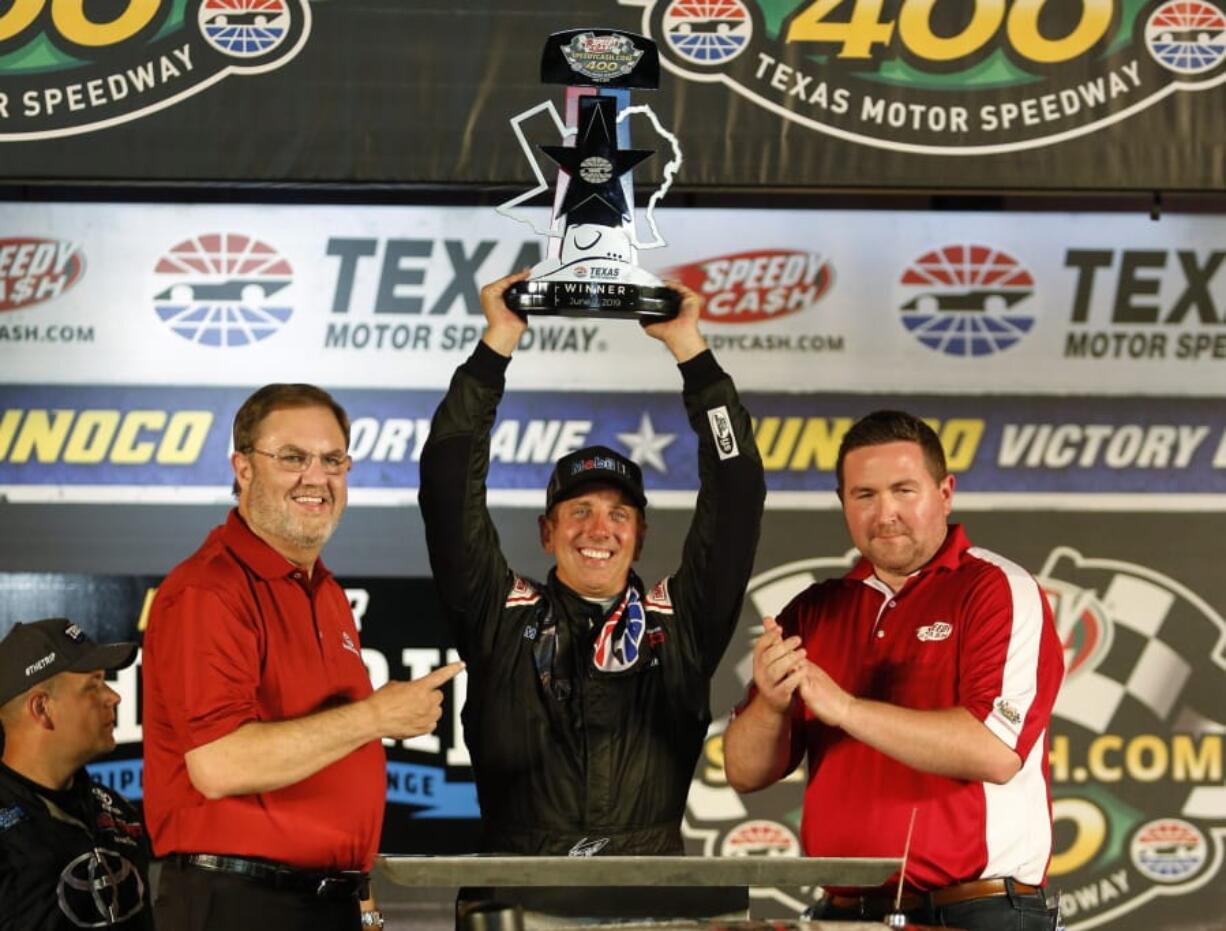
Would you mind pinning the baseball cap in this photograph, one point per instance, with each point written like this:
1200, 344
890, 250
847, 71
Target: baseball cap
594, 464
34, 652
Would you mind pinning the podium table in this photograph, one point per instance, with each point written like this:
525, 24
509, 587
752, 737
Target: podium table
490, 870
586, 892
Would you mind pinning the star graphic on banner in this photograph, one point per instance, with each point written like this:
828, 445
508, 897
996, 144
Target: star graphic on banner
595, 165
647, 447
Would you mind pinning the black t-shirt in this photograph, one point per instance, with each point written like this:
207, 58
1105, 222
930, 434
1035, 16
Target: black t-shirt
72, 858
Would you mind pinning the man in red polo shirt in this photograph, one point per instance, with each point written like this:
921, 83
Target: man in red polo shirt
265, 778
921, 682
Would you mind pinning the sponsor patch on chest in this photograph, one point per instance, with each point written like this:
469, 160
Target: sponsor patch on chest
938, 630
523, 592
123, 832
103, 799
11, 817
658, 599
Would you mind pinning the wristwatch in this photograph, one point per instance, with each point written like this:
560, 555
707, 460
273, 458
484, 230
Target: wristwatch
372, 919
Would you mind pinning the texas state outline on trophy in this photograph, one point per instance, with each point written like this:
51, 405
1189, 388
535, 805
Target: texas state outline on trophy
590, 267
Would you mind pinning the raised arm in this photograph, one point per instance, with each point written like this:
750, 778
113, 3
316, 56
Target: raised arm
681, 334
465, 554
717, 558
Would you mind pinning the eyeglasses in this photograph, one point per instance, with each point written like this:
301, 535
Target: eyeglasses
295, 460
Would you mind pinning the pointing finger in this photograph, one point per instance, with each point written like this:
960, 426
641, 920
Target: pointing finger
442, 675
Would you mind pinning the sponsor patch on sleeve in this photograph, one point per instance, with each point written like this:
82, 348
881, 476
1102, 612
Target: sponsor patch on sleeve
1006, 712
721, 431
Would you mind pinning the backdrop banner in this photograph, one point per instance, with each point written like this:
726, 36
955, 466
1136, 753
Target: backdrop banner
794, 300
1034, 94
168, 445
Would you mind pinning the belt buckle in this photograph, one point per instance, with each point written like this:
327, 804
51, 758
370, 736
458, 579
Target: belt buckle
325, 884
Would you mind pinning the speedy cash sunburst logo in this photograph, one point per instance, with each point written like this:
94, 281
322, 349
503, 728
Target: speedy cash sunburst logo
949, 78
69, 66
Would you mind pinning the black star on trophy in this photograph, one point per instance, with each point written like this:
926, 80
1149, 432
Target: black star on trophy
590, 268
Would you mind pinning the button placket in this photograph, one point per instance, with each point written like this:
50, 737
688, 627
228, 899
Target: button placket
887, 601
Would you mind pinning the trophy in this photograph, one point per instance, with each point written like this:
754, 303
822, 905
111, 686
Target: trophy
589, 269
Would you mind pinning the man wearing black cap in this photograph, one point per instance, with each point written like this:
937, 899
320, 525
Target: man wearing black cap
588, 695
73, 853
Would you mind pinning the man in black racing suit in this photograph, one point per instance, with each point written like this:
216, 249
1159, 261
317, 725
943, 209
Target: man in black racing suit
588, 695
73, 854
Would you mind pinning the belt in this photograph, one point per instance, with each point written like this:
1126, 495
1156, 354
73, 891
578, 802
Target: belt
882, 899
348, 884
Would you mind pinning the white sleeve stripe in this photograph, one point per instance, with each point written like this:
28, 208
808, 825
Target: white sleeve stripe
1019, 680
1018, 829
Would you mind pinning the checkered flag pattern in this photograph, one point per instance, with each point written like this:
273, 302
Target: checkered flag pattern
1162, 663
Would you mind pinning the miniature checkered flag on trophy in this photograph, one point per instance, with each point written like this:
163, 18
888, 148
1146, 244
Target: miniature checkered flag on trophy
590, 268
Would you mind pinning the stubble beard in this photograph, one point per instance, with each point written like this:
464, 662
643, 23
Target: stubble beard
274, 517
892, 558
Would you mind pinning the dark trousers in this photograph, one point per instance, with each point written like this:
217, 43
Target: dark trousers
1013, 912
191, 899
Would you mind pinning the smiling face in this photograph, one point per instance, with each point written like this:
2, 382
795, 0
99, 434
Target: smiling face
594, 536
895, 510
294, 512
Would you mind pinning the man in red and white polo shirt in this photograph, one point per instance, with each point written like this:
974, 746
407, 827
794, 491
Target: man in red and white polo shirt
922, 681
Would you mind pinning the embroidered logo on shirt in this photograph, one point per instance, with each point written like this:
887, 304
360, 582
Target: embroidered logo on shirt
348, 644
721, 431
112, 816
658, 599
522, 592
588, 847
938, 631
103, 798
11, 817
99, 889
122, 832
1008, 712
